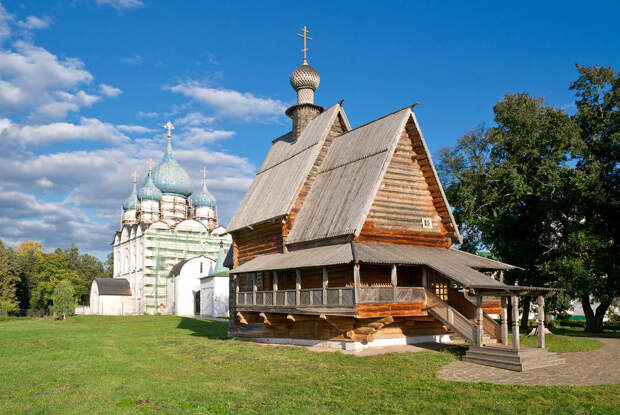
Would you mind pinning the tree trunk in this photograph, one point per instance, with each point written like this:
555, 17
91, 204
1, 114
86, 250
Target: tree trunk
526, 312
594, 320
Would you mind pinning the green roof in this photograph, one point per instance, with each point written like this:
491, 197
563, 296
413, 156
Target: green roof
220, 270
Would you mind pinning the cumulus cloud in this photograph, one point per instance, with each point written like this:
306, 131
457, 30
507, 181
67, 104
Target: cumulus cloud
196, 136
137, 129
45, 182
121, 4
230, 103
33, 22
5, 23
194, 118
109, 91
32, 77
90, 129
143, 114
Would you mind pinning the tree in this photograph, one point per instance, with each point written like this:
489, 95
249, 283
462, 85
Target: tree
109, 266
504, 184
592, 234
25, 258
8, 282
50, 270
63, 303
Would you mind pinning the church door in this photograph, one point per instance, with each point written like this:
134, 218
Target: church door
196, 302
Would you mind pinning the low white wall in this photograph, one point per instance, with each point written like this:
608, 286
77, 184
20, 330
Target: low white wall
214, 296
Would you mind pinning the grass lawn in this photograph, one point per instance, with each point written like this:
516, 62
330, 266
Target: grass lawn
561, 344
167, 364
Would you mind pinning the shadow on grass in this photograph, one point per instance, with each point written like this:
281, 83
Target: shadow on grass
205, 328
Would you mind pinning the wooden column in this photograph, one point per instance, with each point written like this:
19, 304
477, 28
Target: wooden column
394, 276
325, 276
479, 318
356, 282
515, 322
424, 277
504, 320
297, 286
501, 275
275, 286
541, 321
254, 275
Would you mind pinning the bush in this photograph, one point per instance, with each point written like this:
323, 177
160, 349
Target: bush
63, 303
7, 307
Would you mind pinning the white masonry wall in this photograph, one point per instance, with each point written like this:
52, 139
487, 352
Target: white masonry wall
187, 283
214, 296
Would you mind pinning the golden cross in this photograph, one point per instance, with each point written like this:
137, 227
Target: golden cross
204, 174
135, 177
169, 127
306, 37
150, 163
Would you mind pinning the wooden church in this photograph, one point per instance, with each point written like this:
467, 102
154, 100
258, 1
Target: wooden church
344, 238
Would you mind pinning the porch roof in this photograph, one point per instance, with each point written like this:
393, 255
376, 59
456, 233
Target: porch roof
454, 264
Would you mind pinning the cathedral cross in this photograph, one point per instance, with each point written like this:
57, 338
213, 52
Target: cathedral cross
150, 163
169, 127
135, 177
306, 37
204, 174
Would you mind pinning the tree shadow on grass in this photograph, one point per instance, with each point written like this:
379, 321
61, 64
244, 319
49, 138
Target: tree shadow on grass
579, 332
205, 328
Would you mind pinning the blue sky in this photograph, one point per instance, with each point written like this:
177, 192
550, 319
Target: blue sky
85, 86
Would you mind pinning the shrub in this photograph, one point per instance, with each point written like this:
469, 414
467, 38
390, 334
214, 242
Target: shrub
63, 303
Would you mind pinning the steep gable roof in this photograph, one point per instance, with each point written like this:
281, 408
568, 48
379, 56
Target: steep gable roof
347, 183
280, 177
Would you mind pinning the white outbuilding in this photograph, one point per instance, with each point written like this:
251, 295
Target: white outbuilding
185, 284
111, 296
214, 289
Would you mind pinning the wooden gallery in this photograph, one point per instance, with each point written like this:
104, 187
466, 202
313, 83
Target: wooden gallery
344, 238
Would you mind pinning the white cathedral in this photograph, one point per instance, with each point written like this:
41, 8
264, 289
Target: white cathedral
168, 242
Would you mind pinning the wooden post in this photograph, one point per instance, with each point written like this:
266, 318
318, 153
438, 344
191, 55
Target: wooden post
356, 283
275, 287
297, 286
515, 322
504, 320
501, 275
325, 276
541, 321
479, 317
254, 274
394, 276
424, 278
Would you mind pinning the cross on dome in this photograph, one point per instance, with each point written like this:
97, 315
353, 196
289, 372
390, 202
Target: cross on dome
305, 37
169, 127
135, 177
150, 163
204, 174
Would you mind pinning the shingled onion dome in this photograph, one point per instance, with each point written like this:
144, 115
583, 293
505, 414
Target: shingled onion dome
170, 177
204, 198
131, 203
305, 80
149, 191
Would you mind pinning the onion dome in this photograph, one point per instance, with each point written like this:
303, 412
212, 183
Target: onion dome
204, 198
149, 191
169, 176
131, 203
305, 77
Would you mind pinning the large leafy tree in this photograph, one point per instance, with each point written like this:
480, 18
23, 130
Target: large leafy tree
25, 258
8, 281
63, 301
590, 244
50, 270
504, 184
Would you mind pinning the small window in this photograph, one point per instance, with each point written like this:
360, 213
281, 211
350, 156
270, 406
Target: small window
427, 223
201, 267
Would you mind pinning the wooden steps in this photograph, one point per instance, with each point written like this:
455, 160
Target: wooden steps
526, 358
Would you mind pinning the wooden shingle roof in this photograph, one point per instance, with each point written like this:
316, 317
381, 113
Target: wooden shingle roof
280, 178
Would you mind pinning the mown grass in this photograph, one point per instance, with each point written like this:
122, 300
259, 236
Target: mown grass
561, 344
172, 365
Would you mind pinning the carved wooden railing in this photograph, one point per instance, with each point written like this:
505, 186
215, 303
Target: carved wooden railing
343, 296
378, 295
443, 312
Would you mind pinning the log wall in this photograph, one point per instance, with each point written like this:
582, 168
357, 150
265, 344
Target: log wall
263, 239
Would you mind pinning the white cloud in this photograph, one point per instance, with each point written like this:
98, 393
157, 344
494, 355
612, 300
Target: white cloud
89, 129
133, 60
109, 91
143, 114
194, 118
33, 22
5, 23
121, 4
45, 182
32, 77
138, 129
230, 103
196, 136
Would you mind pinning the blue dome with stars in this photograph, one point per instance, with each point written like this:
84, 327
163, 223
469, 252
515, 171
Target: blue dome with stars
204, 198
131, 203
149, 191
170, 177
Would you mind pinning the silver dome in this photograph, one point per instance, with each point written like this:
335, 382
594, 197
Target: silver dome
304, 77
